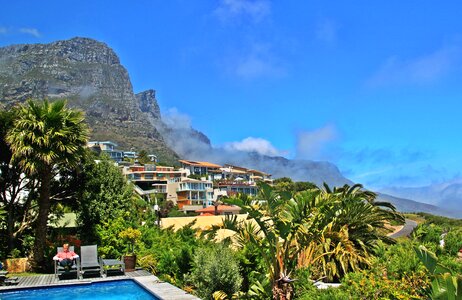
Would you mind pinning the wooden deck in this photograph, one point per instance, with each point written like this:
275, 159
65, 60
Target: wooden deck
162, 290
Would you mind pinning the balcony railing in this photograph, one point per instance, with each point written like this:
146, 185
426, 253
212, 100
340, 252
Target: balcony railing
234, 182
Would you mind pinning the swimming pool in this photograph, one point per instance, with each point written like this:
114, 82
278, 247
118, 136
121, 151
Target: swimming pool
117, 290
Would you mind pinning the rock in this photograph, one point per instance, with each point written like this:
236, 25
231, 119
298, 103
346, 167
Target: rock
89, 75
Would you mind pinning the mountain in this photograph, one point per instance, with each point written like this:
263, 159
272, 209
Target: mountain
407, 205
447, 195
88, 73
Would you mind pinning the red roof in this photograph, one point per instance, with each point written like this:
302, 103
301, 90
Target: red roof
220, 209
206, 214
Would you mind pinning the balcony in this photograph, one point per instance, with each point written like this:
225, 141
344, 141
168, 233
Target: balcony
234, 183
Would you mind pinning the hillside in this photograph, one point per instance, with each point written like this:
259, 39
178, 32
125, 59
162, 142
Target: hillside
407, 205
88, 73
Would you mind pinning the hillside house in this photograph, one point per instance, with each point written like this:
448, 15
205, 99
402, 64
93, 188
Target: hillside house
107, 147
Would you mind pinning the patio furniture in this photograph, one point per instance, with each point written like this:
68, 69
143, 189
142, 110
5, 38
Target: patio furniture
90, 263
113, 266
7, 281
60, 270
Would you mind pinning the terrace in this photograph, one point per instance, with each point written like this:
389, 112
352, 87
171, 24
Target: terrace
160, 289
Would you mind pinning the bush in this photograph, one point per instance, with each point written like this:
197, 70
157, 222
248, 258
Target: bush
369, 285
167, 252
397, 260
327, 294
453, 242
430, 233
215, 269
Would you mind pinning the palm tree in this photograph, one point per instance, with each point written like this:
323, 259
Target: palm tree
334, 230
278, 228
352, 224
46, 136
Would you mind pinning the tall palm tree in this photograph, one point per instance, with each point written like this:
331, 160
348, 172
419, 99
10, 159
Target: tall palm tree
46, 136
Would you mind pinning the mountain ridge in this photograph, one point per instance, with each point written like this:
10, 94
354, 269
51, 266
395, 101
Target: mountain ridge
88, 73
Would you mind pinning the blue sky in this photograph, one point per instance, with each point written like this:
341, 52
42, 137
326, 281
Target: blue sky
374, 87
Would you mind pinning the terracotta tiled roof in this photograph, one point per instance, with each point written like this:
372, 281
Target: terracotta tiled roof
199, 163
221, 208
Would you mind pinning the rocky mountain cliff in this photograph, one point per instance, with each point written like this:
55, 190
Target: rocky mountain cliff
88, 73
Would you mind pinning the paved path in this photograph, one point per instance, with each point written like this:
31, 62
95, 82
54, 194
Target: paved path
406, 230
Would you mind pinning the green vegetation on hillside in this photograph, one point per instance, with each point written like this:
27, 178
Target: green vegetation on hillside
295, 234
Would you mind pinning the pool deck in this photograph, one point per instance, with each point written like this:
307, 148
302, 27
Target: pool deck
160, 289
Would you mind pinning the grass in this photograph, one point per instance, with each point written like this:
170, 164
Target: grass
415, 217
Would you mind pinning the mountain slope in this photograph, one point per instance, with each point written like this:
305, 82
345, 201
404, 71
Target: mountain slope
447, 195
407, 205
88, 73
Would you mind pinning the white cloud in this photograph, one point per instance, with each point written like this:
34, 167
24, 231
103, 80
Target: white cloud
311, 143
326, 31
176, 120
252, 144
421, 70
231, 10
31, 31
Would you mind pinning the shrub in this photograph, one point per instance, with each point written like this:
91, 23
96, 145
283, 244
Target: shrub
215, 269
453, 241
369, 285
327, 294
172, 251
430, 233
149, 263
396, 260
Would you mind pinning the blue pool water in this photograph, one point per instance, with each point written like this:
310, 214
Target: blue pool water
116, 290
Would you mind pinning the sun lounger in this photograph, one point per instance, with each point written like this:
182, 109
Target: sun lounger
90, 262
7, 280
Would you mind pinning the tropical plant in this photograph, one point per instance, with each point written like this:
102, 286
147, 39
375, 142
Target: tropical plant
453, 241
445, 285
44, 137
279, 227
143, 157
351, 224
330, 231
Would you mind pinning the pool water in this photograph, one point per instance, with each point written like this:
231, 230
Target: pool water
116, 290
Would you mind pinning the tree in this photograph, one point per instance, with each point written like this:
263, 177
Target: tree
46, 136
105, 194
13, 185
284, 184
279, 229
336, 228
352, 224
143, 157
